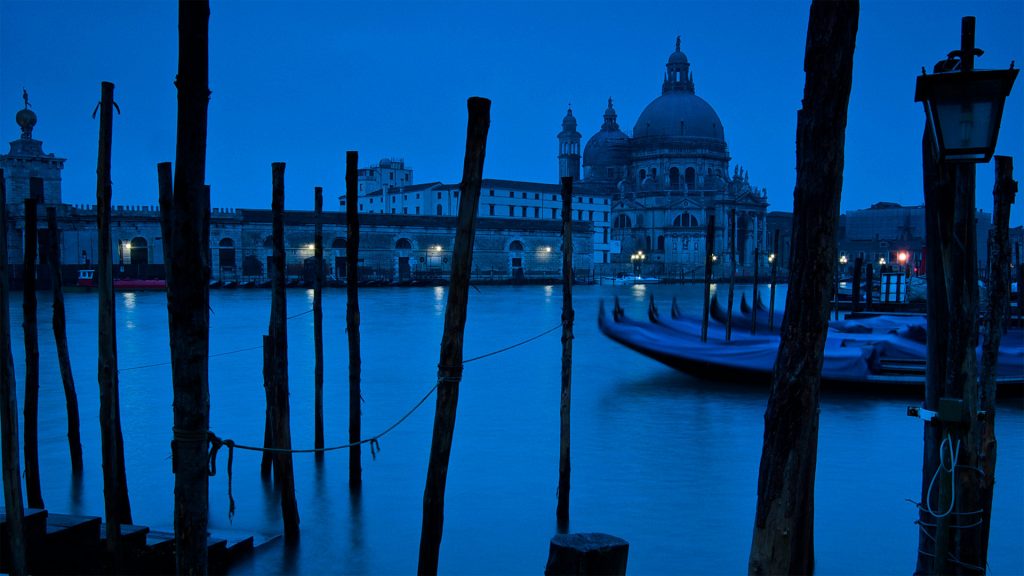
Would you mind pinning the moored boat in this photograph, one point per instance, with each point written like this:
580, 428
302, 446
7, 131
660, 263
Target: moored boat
86, 279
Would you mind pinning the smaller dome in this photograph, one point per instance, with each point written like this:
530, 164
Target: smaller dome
27, 120
569, 122
678, 57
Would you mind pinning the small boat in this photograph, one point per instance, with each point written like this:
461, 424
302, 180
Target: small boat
883, 352
86, 279
623, 279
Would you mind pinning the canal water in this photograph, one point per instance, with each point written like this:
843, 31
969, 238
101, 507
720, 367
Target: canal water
663, 460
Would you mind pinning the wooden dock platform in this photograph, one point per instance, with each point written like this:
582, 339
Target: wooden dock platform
68, 544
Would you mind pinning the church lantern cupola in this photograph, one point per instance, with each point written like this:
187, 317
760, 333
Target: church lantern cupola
677, 72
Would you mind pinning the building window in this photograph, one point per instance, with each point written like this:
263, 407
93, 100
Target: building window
515, 246
438, 195
536, 196
590, 215
492, 191
554, 213
440, 210
554, 197
403, 244
392, 210
417, 195
591, 199
371, 200
691, 178
524, 195
417, 209
536, 212
511, 210
605, 216
490, 208
623, 221
511, 194
522, 211
673, 177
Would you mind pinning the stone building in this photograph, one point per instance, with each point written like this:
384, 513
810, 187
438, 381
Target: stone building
410, 238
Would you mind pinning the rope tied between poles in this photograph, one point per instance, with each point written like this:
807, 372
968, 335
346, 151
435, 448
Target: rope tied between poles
215, 445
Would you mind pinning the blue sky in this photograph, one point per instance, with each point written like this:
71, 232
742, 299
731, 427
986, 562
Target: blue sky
302, 82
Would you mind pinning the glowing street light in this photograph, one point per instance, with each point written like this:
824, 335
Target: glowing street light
902, 257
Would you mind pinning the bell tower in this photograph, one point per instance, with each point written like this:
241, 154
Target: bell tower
27, 160
569, 148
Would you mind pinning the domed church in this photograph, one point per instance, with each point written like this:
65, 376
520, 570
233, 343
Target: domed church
667, 178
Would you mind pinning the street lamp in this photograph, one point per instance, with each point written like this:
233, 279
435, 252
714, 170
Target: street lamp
964, 106
881, 261
637, 260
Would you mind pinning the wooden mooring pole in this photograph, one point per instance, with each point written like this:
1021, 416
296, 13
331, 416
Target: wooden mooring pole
709, 255
869, 286
185, 224
33, 489
449, 369
280, 418
783, 539
982, 436
318, 323
355, 362
754, 298
115, 490
858, 263
732, 272
60, 337
13, 501
771, 289
568, 316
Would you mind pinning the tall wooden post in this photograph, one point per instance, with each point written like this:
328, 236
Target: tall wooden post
355, 362
318, 322
449, 369
732, 272
755, 298
709, 254
783, 541
280, 413
771, 290
13, 502
185, 221
855, 291
115, 490
982, 438
568, 316
60, 336
33, 490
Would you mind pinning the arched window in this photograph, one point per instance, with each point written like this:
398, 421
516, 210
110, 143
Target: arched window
685, 219
673, 177
642, 175
268, 242
661, 243
140, 251
622, 221
403, 244
339, 243
691, 178
515, 246
226, 252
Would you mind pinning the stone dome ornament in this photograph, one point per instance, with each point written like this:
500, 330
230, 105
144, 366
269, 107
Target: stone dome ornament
26, 118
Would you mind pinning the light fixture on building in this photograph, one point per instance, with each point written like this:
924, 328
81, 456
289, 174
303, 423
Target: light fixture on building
881, 261
964, 106
902, 257
771, 258
843, 260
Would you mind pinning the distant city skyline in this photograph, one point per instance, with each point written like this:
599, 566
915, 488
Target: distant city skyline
302, 82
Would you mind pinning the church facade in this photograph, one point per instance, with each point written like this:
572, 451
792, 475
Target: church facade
667, 180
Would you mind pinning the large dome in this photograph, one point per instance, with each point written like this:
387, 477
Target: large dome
679, 114
607, 148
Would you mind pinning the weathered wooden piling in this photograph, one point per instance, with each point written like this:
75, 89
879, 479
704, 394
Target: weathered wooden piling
858, 263
13, 502
115, 488
982, 435
280, 420
783, 540
586, 554
449, 369
185, 222
318, 323
709, 255
33, 489
774, 279
869, 288
755, 298
60, 336
568, 316
355, 362
732, 272
835, 292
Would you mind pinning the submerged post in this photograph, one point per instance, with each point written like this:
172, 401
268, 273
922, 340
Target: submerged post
858, 262
115, 492
869, 288
756, 299
783, 539
14, 506
33, 489
318, 323
449, 369
60, 337
355, 363
568, 315
281, 435
732, 272
709, 255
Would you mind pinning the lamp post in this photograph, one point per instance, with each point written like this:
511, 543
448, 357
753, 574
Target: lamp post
637, 259
963, 111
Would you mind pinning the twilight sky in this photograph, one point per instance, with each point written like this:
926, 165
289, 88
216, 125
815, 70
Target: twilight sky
302, 82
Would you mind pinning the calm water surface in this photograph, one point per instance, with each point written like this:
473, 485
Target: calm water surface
666, 461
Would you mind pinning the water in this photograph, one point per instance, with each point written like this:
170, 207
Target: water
663, 460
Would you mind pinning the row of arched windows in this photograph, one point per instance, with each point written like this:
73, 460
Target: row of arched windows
681, 220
